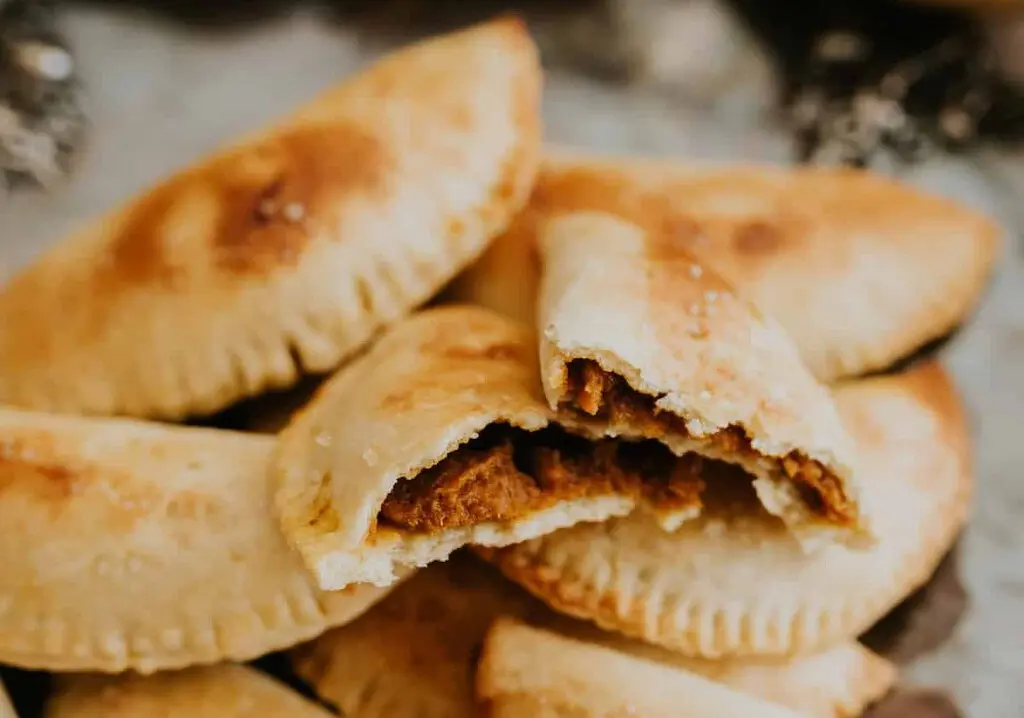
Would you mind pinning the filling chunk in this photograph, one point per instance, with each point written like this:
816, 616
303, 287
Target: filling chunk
595, 392
507, 473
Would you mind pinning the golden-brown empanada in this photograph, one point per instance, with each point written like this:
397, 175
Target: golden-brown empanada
289, 250
526, 671
860, 270
134, 545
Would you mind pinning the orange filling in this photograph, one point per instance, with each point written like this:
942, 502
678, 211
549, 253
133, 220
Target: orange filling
506, 474
597, 393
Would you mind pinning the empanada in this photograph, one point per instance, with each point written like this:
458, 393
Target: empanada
222, 691
133, 545
289, 250
638, 339
860, 270
439, 437
413, 654
526, 671
735, 582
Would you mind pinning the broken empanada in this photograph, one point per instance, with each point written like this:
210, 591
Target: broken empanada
639, 339
439, 437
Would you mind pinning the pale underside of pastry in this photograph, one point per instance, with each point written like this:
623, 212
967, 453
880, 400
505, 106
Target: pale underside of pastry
638, 339
414, 653
287, 251
860, 270
439, 437
526, 671
735, 582
6, 709
134, 545
221, 691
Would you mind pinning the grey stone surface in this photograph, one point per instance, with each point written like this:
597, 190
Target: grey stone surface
161, 96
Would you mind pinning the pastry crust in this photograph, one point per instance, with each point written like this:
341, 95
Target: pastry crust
899, 267
222, 691
529, 671
134, 545
414, 653
289, 250
623, 312
735, 583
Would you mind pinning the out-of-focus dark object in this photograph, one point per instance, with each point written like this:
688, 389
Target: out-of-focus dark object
41, 121
914, 703
926, 619
983, 5
864, 76
210, 14
860, 78
406, 18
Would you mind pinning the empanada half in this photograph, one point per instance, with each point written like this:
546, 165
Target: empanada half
221, 691
526, 671
860, 270
414, 653
641, 340
439, 436
735, 582
133, 545
287, 251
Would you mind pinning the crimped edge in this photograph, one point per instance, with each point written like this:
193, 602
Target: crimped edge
291, 616
728, 631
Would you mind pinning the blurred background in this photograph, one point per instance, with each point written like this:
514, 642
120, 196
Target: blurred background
97, 99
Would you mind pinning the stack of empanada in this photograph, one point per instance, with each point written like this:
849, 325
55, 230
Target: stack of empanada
621, 403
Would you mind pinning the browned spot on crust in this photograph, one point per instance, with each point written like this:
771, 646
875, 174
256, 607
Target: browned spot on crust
676, 230
495, 352
456, 228
322, 515
930, 383
47, 479
402, 400
133, 255
662, 214
315, 172
758, 238
253, 209
33, 467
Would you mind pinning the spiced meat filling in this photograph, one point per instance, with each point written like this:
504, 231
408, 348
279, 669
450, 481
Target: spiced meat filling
597, 393
507, 473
